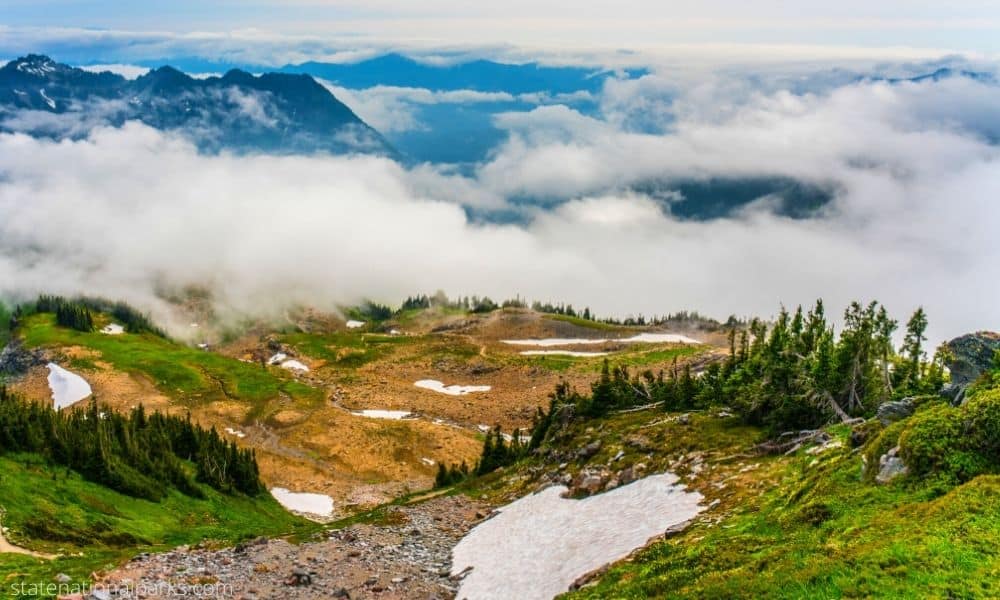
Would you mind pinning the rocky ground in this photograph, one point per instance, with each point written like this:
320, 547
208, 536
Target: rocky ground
406, 556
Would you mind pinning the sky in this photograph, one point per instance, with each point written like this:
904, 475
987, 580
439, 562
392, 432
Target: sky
961, 25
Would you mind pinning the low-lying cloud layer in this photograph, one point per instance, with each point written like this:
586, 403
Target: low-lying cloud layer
130, 212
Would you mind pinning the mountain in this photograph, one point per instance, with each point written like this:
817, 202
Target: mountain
273, 112
479, 75
456, 131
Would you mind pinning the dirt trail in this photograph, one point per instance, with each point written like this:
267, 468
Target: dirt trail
8, 548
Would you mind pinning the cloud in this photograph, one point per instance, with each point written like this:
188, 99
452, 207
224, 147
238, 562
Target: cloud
126, 71
393, 109
132, 212
340, 42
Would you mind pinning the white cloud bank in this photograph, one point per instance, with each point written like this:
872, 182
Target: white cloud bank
132, 212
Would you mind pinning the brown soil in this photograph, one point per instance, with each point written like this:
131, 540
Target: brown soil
363, 461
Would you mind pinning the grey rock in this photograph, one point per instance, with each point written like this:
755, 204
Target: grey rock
589, 450
890, 466
626, 476
676, 528
16, 360
63, 578
895, 410
971, 356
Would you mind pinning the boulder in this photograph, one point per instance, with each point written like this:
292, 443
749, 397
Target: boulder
16, 360
968, 357
890, 466
625, 476
589, 450
971, 355
299, 577
895, 410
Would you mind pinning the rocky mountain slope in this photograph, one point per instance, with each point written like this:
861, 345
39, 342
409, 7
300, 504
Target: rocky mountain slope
273, 112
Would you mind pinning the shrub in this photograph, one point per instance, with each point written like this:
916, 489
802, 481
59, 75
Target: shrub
935, 441
982, 413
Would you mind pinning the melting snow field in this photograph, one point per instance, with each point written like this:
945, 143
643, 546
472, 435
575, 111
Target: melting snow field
393, 415
538, 545
67, 388
355, 324
451, 390
113, 329
313, 504
642, 338
561, 353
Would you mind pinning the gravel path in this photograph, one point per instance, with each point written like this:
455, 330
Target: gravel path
410, 557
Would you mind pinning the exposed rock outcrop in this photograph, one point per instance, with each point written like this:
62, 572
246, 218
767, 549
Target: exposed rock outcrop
895, 410
890, 466
15, 359
969, 357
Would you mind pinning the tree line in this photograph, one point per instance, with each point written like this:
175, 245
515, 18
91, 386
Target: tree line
138, 454
78, 313
792, 374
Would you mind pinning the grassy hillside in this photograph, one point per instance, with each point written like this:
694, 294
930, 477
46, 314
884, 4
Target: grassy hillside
187, 374
91, 527
818, 531
804, 525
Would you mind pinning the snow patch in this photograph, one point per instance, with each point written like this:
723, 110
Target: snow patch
294, 365
393, 415
642, 338
235, 432
561, 353
49, 101
277, 358
303, 502
537, 546
113, 329
451, 390
67, 387
355, 324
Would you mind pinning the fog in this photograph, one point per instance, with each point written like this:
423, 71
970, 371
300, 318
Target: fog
133, 213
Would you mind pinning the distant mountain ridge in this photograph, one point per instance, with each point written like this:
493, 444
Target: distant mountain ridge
273, 112
395, 69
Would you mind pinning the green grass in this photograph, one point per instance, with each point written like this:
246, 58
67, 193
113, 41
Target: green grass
581, 322
92, 527
186, 374
820, 532
654, 356
633, 358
